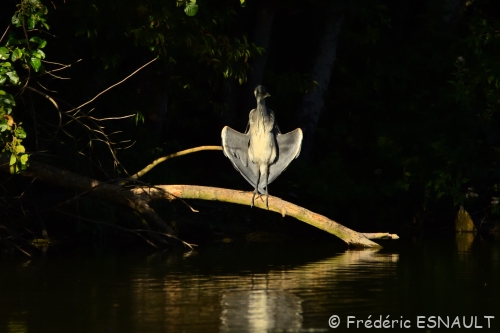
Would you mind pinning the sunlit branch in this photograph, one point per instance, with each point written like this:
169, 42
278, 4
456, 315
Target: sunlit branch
164, 158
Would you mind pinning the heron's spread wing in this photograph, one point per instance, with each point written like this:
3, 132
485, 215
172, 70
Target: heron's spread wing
289, 145
235, 147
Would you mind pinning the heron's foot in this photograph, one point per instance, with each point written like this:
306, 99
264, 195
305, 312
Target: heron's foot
253, 198
267, 201
259, 196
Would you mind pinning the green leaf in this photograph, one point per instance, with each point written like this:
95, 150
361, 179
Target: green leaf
12, 159
31, 22
12, 41
20, 149
6, 64
191, 9
3, 125
14, 79
24, 158
3, 78
35, 63
38, 53
2, 92
15, 20
16, 54
7, 99
20, 133
4, 53
36, 39
42, 42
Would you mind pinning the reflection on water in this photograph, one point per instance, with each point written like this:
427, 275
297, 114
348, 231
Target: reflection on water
260, 311
247, 288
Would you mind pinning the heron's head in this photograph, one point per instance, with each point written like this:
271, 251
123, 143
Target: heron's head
260, 92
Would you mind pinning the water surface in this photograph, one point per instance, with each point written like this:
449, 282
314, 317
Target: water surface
284, 287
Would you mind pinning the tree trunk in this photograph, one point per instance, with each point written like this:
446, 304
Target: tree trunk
312, 103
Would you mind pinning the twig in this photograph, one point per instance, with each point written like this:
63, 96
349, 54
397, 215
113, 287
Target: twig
19, 248
135, 232
44, 95
55, 105
111, 118
5, 32
63, 66
164, 158
111, 87
380, 235
57, 77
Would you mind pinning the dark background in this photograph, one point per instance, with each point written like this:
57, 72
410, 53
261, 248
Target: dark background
407, 134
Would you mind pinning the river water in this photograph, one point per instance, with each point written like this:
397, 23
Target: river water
260, 287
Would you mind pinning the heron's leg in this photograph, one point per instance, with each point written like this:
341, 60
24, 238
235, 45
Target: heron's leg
255, 191
267, 193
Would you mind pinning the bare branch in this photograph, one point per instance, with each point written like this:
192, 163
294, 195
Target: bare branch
5, 32
63, 66
276, 204
55, 105
44, 95
111, 118
164, 158
111, 87
58, 77
135, 232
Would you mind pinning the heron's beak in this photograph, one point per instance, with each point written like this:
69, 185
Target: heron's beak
267, 95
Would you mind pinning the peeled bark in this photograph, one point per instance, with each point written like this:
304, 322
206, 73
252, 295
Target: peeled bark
313, 102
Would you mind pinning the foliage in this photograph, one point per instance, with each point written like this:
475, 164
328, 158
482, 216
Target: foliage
28, 54
416, 109
411, 118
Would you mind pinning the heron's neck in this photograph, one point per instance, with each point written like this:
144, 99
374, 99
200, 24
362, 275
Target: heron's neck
261, 105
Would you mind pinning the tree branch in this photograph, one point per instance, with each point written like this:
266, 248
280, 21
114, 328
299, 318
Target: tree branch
139, 198
164, 158
276, 204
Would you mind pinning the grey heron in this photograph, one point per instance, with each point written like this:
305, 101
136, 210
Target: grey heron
262, 153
